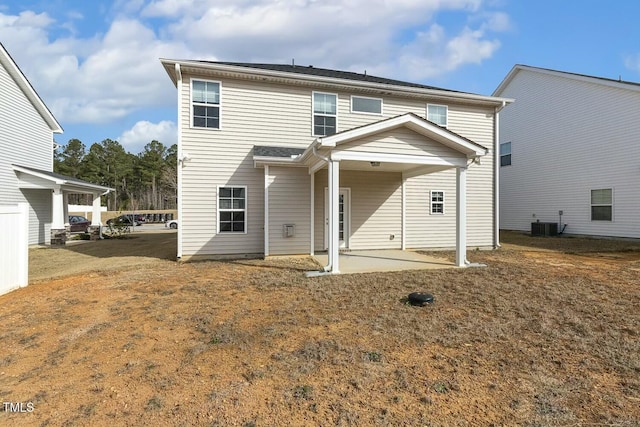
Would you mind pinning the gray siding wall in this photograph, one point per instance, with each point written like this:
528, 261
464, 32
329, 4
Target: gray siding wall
25, 139
375, 215
567, 138
253, 113
289, 203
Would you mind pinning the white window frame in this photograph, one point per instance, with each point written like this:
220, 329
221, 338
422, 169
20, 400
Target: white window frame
191, 102
313, 113
592, 205
245, 210
432, 203
502, 155
446, 112
367, 112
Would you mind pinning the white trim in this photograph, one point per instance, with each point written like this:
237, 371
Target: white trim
347, 217
346, 84
312, 222
413, 122
245, 210
446, 116
366, 112
431, 202
398, 158
403, 214
180, 164
591, 205
461, 216
194, 79
334, 193
317, 166
266, 210
23, 83
313, 113
619, 84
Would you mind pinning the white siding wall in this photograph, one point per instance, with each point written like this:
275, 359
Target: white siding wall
375, 209
568, 137
25, 139
253, 113
289, 203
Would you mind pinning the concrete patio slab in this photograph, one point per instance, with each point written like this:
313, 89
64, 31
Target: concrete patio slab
385, 260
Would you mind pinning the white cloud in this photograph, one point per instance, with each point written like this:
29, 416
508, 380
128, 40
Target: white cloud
143, 132
103, 77
632, 62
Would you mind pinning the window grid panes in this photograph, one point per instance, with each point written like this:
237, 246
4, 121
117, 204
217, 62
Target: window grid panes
232, 209
437, 114
324, 113
206, 104
602, 204
437, 202
361, 104
505, 154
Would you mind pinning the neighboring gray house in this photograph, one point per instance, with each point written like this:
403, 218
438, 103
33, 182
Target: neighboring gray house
285, 159
570, 144
26, 160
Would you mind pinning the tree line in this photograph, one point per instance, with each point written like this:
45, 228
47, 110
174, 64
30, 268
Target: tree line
143, 181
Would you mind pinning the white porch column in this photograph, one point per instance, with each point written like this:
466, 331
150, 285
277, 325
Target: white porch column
334, 219
461, 216
65, 208
312, 225
403, 244
57, 210
96, 213
266, 210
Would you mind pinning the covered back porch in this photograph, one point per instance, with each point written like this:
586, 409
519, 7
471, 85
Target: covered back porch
398, 149
61, 186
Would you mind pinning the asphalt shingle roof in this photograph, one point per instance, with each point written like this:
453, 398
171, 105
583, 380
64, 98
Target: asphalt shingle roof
324, 72
264, 151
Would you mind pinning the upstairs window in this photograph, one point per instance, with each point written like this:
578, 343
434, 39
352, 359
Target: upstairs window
505, 154
361, 104
205, 99
602, 205
437, 114
437, 202
325, 113
232, 209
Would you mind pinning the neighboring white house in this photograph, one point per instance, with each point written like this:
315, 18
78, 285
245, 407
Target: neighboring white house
570, 144
26, 157
286, 159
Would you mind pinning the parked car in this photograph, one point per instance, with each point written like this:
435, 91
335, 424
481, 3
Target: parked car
78, 223
172, 223
126, 219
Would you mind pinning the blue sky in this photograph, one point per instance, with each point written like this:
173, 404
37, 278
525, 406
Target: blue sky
96, 63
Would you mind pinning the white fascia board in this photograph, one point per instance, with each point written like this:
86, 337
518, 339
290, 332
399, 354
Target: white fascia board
411, 122
316, 166
261, 161
399, 158
14, 71
344, 83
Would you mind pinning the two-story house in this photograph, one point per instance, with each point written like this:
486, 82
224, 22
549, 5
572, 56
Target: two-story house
569, 153
286, 159
26, 159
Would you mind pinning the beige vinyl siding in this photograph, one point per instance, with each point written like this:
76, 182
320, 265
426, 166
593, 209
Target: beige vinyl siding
569, 136
399, 141
289, 203
375, 209
253, 113
26, 140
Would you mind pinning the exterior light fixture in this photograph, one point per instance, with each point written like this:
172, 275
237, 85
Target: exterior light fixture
375, 164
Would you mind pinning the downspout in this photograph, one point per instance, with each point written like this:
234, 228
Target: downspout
327, 267
180, 164
496, 178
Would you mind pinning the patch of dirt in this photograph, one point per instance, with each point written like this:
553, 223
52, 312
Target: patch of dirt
542, 336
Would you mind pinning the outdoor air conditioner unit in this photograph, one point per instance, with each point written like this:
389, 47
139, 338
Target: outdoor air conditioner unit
544, 229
